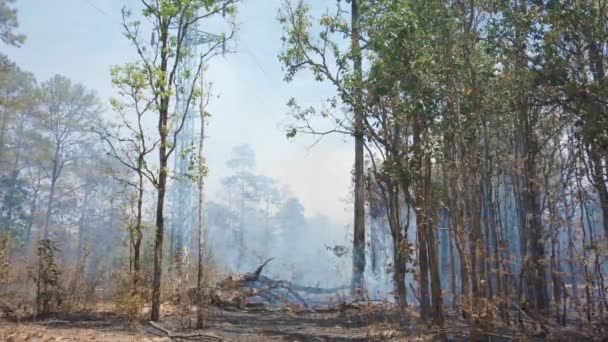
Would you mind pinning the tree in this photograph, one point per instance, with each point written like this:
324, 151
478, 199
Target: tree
131, 148
69, 111
17, 103
358, 281
244, 185
160, 60
325, 60
270, 197
8, 22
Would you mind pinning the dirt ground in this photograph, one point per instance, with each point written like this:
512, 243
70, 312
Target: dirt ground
233, 325
361, 324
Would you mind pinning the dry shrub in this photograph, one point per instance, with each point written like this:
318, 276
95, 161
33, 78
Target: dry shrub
4, 259
50, 294
16, 291
485, 313
177, 291
129, 303
192, 306
10, 297
79, 293
381, 332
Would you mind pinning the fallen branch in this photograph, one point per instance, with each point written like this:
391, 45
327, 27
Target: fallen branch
536, 320
255, 275
201, 336
301, 288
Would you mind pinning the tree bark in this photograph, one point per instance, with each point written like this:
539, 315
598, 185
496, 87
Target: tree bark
138, 235
201, 211
358, 281
433, 257
163, 119
54, 177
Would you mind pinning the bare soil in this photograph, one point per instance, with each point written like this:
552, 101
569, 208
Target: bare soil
372, 323
233, 325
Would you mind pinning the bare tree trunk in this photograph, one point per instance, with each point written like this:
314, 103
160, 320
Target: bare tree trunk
399, 245
599, 182
32, 215
162, 177
138, 235
477, 240
81, 222
535, 264
160, 224
421, 220
433, 257
358, 281
461, 241
201, 210
3, 128
54, 177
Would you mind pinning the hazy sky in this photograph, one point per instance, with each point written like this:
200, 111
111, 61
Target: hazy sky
83, 38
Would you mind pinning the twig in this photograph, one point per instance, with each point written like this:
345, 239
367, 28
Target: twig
539, 322
203, 336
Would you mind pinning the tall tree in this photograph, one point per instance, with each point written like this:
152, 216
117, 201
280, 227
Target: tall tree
325, 60
161, 59
243, 184
358, 280
130, 143
69, 111
8, 23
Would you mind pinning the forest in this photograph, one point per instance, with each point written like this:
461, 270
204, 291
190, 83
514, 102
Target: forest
476, 135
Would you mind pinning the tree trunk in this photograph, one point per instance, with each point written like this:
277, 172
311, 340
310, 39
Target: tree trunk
138, 235
400, 247
160, 223
201, 211
421, 219
81, 223
163, 128
477, 246
54, 177
33, 211
433, 257
358, 281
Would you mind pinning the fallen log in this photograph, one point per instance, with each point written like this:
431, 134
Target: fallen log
200, 336
235, 281
305, 289
236, 290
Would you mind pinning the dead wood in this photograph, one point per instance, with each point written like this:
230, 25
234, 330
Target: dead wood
235, 290
200, 336
258, 271
241, 280
537, 320
301, 288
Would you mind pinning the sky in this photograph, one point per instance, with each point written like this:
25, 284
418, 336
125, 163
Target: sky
82, 39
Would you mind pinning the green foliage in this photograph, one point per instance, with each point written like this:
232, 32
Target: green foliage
13, 216
8, 22
128, 303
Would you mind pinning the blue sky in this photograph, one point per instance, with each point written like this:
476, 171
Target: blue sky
83, 38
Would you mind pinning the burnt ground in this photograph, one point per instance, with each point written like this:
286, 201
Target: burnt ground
234, 325
361, 324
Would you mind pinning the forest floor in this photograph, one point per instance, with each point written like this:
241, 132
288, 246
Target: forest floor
242, 325
232, 325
